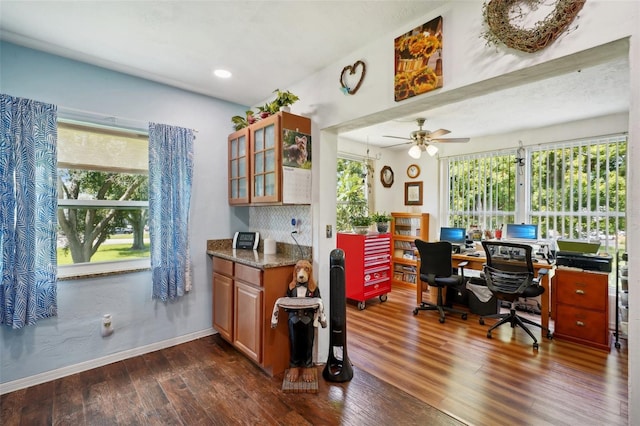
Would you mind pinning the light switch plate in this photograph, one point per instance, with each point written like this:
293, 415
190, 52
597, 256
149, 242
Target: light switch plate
329, 231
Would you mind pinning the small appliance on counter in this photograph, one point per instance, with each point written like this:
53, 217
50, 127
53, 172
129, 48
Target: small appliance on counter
246, 240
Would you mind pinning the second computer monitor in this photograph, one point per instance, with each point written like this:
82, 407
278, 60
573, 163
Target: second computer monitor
521, 231
453, 235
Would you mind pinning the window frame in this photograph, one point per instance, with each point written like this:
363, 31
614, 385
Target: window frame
94, 269
524, 186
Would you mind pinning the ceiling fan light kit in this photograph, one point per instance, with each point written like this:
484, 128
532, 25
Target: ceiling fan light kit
415, 152
423, 140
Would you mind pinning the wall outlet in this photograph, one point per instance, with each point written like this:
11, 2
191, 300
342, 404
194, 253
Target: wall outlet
329, 231
107, 325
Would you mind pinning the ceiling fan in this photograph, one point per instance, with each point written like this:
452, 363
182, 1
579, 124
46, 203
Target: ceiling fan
423, 140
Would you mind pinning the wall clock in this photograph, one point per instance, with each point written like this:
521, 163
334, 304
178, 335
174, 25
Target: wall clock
386, 176
413, 171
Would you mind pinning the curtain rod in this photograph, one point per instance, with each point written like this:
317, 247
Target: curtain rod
77, 116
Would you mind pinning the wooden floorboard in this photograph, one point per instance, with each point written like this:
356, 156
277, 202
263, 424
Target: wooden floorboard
483, 381
408, 370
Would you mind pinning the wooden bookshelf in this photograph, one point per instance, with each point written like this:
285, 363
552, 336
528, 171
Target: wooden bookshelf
405, 228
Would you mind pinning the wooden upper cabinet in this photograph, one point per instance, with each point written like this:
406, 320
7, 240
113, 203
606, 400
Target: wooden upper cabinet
239, 167
256, 159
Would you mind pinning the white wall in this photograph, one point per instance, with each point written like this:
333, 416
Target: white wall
72, 339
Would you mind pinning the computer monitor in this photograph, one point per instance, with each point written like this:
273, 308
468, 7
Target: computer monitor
522, 231
453, 235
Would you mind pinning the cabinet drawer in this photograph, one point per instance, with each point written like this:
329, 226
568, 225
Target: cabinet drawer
249, 274
582, 324
223, 266
582, 289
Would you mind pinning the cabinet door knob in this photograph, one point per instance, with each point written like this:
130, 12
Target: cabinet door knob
579, 291
579, 323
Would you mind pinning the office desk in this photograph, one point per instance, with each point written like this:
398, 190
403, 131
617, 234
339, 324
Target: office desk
478, 262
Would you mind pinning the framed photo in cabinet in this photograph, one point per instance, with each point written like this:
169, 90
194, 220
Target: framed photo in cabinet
413, 193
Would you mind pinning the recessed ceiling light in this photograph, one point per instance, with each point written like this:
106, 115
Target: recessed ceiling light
222, 73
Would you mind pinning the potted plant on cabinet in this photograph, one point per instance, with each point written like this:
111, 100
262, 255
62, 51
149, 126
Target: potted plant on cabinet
284, 99
361, 224
381, 220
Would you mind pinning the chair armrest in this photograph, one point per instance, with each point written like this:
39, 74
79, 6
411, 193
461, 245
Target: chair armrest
541, 273
461, 265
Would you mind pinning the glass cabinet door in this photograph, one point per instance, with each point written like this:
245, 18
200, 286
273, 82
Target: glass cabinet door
265, 161
238, 168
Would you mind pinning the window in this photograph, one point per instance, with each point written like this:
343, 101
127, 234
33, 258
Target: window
574, 190
353, 191
482, 190
578, 190
102, 199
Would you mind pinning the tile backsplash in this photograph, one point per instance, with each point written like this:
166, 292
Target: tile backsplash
275, 222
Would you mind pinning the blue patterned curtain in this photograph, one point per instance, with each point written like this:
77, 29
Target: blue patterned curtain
170, 176
28, 206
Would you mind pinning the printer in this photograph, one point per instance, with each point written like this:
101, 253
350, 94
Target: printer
583, 255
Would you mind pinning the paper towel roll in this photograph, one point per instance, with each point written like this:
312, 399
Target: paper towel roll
269, 246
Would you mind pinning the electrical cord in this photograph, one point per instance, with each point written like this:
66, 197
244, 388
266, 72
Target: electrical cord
298, 245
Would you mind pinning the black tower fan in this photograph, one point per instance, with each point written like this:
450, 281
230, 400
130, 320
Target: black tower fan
338, 368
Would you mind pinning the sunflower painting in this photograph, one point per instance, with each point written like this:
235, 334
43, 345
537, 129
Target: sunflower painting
418, 60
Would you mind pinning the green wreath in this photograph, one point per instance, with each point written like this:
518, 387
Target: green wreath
496, 15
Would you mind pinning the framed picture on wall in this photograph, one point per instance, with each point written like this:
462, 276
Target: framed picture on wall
418, 60
413, 193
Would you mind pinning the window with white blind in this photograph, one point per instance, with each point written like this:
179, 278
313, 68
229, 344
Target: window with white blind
102, 199
482, 190
574, 189
578, 190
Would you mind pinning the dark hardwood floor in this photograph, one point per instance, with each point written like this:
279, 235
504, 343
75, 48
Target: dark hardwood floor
407, 370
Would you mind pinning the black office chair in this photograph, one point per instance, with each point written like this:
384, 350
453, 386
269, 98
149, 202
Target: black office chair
509, 275
436, 270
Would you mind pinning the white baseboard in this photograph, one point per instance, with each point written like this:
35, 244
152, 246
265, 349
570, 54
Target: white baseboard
99, 362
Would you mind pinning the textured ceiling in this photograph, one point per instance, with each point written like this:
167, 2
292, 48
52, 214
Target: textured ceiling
275, 44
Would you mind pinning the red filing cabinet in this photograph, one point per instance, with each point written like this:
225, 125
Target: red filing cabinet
367, 264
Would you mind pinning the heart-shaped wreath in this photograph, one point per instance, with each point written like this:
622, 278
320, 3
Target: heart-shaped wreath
351, 70
498, 15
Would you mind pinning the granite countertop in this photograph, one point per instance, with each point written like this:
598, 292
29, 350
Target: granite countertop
284, 256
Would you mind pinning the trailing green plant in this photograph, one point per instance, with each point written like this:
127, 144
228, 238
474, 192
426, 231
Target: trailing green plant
283, 98
240, 122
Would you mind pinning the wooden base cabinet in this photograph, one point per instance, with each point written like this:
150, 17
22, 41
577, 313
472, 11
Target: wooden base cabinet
581, 307
243, 300
223, 297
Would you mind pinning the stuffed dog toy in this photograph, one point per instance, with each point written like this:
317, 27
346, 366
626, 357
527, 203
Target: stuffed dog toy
302, 280
306, 312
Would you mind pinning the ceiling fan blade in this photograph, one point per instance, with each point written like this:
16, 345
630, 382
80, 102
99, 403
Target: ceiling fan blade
398, 144
438, 133
396, 137
451, 140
